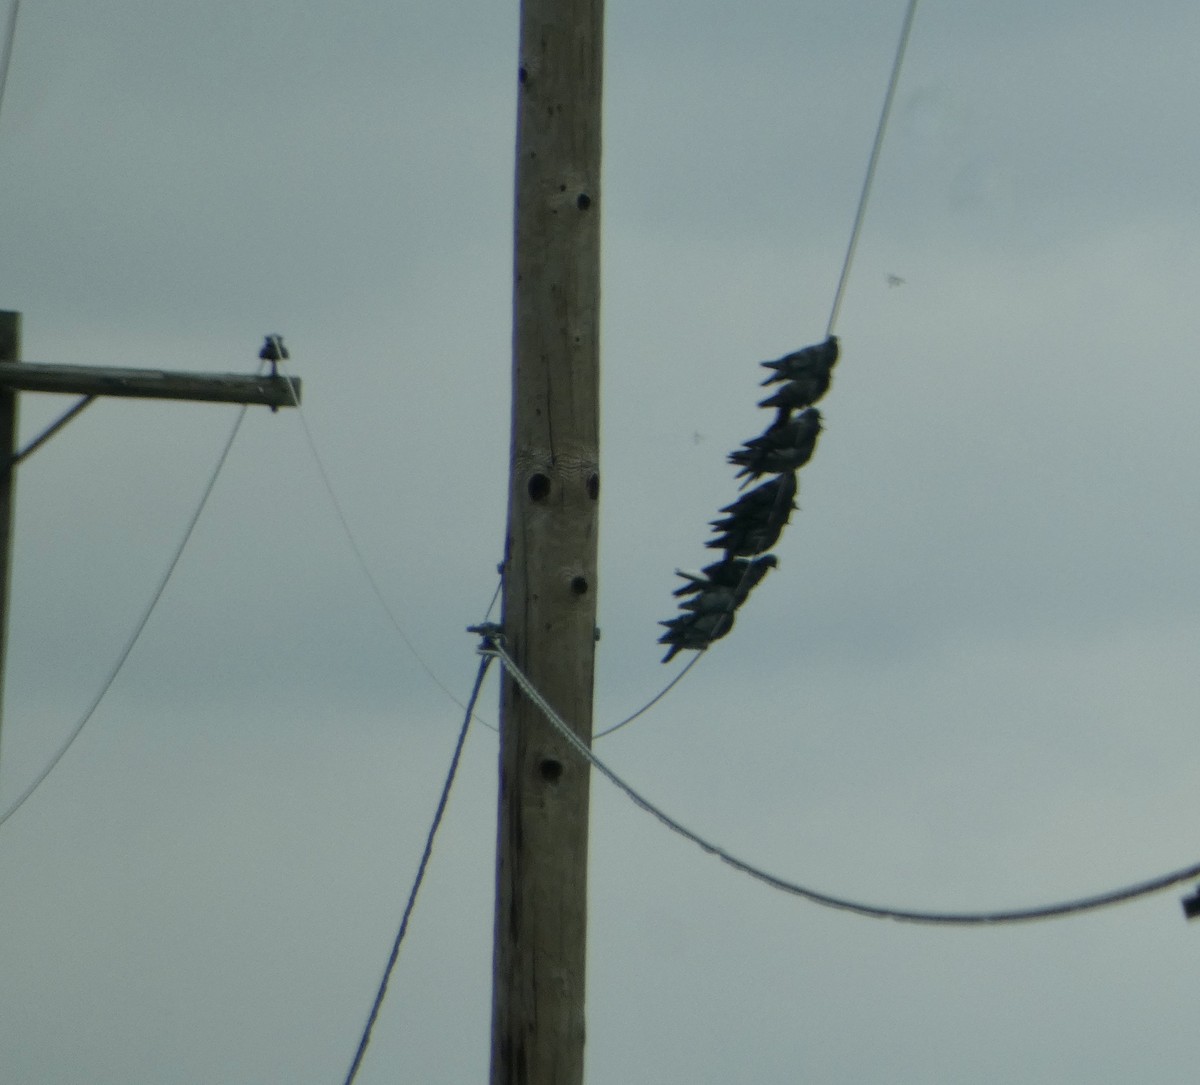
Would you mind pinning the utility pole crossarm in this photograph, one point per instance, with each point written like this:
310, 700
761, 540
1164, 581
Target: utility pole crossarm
277, 391
90, 382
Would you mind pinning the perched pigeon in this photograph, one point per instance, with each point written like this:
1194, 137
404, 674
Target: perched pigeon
811, 362
694, 631
712, 596
712, 600
780, 448
745, 540
769, 503
750, 534
797, 394
737, 573
764, 518
804, 427
273, 351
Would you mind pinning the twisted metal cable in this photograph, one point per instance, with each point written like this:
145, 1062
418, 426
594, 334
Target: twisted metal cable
1020, 915
420, 876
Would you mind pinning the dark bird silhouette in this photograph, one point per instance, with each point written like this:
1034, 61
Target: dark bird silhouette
757, 519
744, 540
797, 394
771, 502
273, 351
754, 526
780, 448
694, 631
709, 597
810, 362
713, 600
740, 574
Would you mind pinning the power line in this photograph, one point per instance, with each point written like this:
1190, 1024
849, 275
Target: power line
363, 565
656, 698
854, 235
377, 591
141, 625
1048, 911
843, 277
469, 709
10, 36
872, 164
845, 271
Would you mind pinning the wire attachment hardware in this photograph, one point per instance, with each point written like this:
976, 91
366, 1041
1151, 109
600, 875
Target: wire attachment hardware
492, 636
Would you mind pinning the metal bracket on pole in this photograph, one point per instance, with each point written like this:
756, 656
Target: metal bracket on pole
51, 430
491, 634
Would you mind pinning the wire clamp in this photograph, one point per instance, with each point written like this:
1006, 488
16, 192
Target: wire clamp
492, 635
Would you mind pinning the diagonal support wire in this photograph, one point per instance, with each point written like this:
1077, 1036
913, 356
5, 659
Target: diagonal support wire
488, 633
51, 430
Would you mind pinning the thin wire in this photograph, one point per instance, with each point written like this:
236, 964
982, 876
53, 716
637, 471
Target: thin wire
412, 896
141, 625
856, 230
339, 512
495, 596
10, 36
1048, 911
654, 700
733, 606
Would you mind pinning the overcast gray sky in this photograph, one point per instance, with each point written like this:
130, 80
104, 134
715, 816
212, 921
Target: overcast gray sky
971, 683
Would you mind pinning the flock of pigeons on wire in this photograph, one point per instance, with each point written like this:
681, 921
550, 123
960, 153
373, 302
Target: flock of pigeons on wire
754, 522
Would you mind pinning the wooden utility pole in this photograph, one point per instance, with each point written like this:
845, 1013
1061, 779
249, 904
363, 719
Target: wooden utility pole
549, 614
89, 382
10, 354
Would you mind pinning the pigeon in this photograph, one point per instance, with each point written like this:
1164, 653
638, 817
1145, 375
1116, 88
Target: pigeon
772, 501
757, 518
694, 631
712, 600
797, 394
716, 593
745, 540
810, 362
710, 596
780, 448
754, 520
737, 573
273, 351
759, 528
